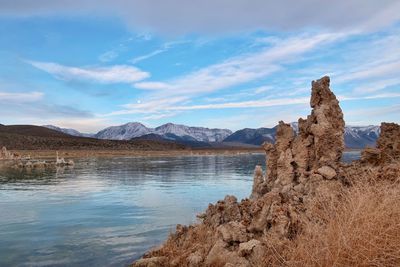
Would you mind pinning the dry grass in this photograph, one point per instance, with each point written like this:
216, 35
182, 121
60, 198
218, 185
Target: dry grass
179, 246
360, 228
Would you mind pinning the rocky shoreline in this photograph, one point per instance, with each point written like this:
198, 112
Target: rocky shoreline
309, 209
14, 160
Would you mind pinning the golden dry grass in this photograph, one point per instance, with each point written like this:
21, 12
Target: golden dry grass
360, 228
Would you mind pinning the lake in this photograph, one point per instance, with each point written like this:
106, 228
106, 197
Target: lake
109, 211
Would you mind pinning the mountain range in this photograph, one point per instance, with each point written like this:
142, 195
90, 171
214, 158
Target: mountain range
355, 136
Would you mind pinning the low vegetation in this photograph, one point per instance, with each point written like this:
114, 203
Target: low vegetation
359, 228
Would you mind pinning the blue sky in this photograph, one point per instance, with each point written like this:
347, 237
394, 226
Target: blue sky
92, 64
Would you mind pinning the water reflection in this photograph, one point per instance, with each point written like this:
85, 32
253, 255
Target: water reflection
107, 212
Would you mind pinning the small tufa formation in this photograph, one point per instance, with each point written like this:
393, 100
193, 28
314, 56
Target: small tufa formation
7, 155
63, 162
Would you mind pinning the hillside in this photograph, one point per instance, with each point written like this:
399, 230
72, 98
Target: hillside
252, 136
69, 131
41, 138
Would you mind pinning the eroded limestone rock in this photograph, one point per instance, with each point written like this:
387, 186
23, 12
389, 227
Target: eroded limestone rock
247, 247
260, 187
327, 172
233, 232
318, 146
389, 142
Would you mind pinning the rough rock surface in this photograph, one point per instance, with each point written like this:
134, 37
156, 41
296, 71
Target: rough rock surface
299, 168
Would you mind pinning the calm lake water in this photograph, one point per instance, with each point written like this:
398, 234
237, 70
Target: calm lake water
108, 212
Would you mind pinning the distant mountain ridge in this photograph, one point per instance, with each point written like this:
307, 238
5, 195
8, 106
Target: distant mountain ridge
252, 136
361, 136
69, 131
355, 136
169, 131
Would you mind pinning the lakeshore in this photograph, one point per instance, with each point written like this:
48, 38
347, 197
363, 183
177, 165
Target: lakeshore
73, 153
46, 154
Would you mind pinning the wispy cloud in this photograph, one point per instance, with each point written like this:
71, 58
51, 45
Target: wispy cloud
147, 56
170, 95
252, 92
33, 110
159, 116
376, 86
379, 70
111, 74
20, 97
164, 48
108, 56
241, 69
168, 104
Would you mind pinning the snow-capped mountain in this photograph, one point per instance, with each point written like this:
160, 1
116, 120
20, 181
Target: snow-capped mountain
361, 136
124, 132
68, 131
198, 133
135, 129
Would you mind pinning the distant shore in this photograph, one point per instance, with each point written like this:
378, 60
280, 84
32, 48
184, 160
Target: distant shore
47, 154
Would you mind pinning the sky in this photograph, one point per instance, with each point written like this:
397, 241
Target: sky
229, 64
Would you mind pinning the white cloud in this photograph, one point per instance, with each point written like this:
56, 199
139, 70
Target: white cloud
377, 96
152, 106
164, 48
173, 104
374, 112
247, 104
20, 97
158, 116
147, 56
108, 56
112, 74
379, 70
376, 86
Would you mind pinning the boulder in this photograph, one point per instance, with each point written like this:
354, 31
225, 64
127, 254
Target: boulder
233, 232
327, 172
247, 247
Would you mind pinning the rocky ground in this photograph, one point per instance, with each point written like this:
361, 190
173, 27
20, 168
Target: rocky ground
309, 209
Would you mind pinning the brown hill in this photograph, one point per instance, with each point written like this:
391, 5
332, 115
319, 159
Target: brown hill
20, 137
31, 130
